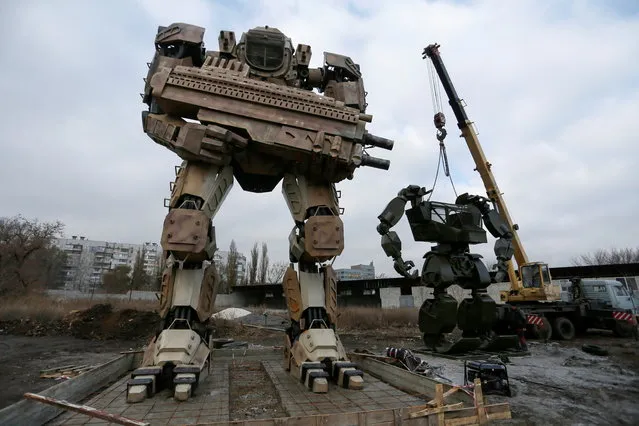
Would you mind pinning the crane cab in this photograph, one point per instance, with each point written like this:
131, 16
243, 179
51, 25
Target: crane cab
534, 285
534, 275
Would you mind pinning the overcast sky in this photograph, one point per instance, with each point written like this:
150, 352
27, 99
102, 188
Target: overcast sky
552, 86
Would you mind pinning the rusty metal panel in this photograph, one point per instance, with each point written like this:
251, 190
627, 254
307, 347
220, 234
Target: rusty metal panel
324, 236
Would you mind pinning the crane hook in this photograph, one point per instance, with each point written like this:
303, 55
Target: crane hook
440, 122
441, 134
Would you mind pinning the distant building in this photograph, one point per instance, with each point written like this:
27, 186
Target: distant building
356, 272
152, 258
88, 260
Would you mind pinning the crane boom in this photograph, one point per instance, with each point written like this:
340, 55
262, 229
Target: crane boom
535, 283
481, 163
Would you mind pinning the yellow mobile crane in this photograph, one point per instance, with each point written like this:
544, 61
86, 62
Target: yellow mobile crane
534, 281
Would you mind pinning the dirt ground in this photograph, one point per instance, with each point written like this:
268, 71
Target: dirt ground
22, 358
257, 401
100, 322
92, 336
557, 384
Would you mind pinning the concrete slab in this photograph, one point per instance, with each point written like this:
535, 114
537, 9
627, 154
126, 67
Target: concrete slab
297, 400
210, 401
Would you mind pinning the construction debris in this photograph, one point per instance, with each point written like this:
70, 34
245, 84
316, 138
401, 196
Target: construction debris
231, 313
480, 413
66, 371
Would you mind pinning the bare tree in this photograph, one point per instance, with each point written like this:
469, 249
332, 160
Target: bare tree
25, 252
139, 278
230, 269
608, 257
117, 280
264, 264
252, 271
82, 264
245, 277
156, 278
53, 260
276, 272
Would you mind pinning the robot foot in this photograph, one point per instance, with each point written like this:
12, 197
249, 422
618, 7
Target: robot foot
176, 360
332, 364
145, 382
439, 344
316, 375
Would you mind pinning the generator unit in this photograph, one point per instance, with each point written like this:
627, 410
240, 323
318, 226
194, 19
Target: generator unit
493, 376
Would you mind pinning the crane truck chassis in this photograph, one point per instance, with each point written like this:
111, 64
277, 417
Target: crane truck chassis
564, 320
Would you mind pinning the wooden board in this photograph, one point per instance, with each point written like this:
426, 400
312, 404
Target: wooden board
445, 416
405, 380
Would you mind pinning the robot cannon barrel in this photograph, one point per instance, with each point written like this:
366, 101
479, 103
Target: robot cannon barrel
378, 163
378, 141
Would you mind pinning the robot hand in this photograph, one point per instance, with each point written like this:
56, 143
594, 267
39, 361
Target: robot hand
403, 267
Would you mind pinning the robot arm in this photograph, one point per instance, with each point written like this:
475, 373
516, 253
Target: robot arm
391, 215
177, 44
340, 78
498, 228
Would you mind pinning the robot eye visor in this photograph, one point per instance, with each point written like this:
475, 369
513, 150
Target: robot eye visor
265, 50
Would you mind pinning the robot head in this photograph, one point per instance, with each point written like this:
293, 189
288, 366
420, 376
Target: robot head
266, 50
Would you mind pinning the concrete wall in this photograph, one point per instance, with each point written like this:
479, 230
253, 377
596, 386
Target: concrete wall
226, 300
391, 297
75, 294
234, 300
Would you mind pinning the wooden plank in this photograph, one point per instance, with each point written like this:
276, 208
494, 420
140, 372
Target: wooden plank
479, 402
406, 380
435, 410
85, 409
385, 417
69, 371
439, 401
27, 412
56, 369
263, 327
493, 412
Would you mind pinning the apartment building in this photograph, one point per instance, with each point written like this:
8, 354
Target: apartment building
356, 272
88, 260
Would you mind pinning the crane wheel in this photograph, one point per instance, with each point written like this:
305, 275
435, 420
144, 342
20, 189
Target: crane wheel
564, 329
543, 331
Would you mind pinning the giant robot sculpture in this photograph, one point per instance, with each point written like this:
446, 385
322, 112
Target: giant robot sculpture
248, 112
453, 227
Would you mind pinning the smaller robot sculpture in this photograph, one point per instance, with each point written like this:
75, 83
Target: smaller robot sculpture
453, 227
